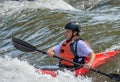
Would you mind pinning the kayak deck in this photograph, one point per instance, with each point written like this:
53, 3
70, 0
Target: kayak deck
100, 59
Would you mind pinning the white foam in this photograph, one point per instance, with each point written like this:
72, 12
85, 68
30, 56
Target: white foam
14, 70
9, 7
51, 4
113, 47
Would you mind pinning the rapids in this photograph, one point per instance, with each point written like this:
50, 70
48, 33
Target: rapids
41, 23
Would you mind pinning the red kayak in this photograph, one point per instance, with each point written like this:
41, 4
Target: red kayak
100, 59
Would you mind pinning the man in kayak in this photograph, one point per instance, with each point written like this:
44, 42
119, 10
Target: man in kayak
73, 48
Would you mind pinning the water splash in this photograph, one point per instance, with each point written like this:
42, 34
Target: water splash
113, 47
14, 70
10, 7
51, 4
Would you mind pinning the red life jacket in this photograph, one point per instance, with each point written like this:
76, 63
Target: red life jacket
65, 52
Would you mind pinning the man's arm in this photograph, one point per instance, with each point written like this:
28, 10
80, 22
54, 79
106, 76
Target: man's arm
91, 60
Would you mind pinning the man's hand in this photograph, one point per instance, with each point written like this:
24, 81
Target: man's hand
50, 52
87, 65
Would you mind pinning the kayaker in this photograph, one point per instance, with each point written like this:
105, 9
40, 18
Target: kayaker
73, 48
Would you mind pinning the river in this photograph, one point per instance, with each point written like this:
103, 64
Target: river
41, 23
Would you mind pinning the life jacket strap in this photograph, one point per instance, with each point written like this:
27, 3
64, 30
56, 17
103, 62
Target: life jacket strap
74, 51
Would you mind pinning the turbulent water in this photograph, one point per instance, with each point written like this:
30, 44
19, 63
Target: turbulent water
41, 23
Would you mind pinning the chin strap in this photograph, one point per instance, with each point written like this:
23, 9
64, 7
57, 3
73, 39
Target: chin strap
71, 37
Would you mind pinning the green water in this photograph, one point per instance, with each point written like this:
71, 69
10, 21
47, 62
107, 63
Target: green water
44, 28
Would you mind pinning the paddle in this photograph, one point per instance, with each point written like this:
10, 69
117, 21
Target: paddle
26, 47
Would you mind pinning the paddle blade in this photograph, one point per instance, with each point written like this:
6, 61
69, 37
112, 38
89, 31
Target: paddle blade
115, 77
23, 46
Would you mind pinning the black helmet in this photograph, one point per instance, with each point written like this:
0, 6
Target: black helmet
74, 26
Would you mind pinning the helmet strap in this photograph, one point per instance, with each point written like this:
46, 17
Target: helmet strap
71, 36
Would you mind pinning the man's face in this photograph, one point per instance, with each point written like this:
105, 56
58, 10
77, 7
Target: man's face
68, 33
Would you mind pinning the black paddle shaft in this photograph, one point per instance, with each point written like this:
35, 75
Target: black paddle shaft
26, 47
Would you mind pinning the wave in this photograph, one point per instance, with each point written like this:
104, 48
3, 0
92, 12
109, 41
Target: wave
10, 7
49, 4
14, 70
